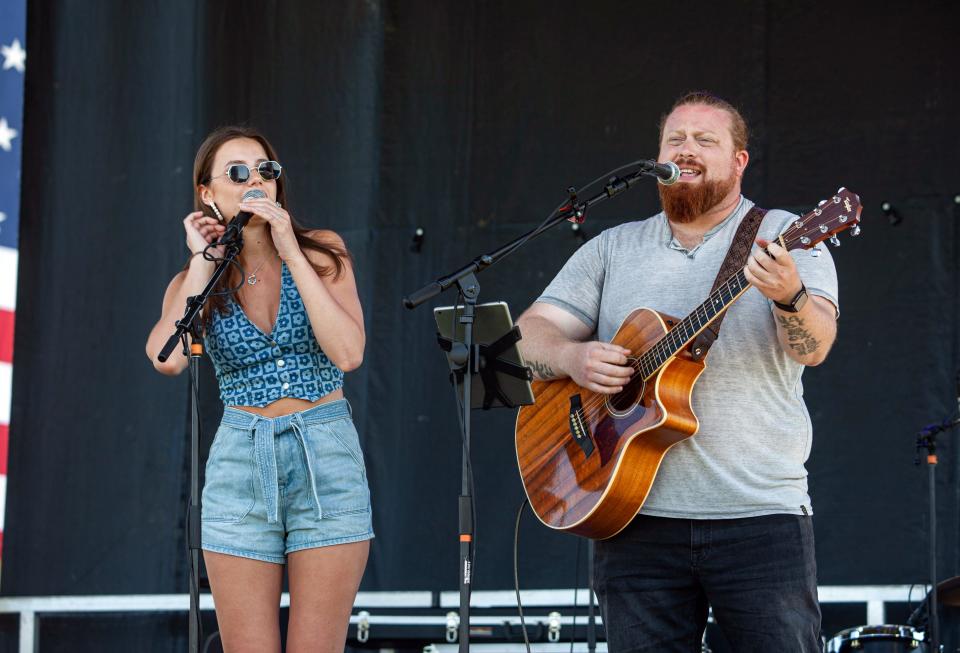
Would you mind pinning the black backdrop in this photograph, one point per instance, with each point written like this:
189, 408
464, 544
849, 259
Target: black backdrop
467, 119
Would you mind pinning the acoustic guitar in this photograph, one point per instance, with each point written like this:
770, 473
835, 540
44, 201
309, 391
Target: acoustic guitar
588, 460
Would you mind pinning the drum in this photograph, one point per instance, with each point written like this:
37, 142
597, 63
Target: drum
877, 639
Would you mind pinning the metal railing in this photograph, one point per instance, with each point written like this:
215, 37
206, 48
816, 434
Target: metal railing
874, 598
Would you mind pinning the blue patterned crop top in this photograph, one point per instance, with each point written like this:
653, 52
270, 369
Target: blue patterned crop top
255, 369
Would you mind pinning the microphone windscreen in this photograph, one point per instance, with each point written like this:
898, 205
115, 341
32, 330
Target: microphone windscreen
674, 174
253, 194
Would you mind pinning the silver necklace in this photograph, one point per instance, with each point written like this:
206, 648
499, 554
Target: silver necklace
252, 279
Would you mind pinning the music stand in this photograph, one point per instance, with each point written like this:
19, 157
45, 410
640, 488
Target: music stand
505, 378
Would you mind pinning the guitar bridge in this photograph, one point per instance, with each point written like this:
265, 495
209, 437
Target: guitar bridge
578, 426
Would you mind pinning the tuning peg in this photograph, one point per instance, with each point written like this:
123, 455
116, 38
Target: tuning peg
834, 240
855, 231
815, 252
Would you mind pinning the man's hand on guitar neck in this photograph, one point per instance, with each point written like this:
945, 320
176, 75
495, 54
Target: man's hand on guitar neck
555, 345
806, 334
772, 271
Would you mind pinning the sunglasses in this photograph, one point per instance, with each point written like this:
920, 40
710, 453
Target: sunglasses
239, 173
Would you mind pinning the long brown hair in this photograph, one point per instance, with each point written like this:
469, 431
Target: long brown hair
202, 173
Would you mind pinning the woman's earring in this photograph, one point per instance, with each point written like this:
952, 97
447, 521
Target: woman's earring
279, 205
217, 211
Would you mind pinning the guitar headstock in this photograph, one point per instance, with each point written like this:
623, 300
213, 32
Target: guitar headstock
842, 211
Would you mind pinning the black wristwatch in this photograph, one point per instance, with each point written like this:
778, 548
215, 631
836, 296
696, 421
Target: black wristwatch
796, 303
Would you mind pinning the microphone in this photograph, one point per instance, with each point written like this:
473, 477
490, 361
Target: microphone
238, 223
666, 173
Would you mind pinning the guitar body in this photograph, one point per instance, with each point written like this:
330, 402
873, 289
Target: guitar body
588, 460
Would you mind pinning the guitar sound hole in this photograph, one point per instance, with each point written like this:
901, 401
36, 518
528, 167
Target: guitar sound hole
629, 396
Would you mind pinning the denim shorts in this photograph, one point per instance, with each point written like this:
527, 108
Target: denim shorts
283, 484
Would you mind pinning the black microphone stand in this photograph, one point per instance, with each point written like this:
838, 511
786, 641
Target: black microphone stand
190, 324
465, 279
927, 439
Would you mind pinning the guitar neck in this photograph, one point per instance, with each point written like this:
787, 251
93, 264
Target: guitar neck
830, 217
691, 326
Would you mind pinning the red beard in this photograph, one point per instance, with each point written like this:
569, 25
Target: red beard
686, 202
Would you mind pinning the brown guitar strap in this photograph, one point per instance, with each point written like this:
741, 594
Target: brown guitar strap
735, 260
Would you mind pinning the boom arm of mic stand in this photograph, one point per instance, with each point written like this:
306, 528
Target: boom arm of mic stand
575, 211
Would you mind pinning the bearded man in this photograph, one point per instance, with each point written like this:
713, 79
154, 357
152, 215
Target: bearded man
728, 521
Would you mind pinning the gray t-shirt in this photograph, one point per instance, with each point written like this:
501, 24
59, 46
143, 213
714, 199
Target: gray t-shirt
748, 457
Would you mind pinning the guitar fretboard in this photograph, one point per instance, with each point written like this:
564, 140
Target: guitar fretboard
682, 334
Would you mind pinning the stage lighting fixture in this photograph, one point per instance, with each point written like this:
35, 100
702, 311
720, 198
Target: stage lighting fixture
417, 241
892, 215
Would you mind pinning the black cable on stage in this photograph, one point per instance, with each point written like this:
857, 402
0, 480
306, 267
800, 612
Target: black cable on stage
210, 640
913, 619
516, 580
516, 571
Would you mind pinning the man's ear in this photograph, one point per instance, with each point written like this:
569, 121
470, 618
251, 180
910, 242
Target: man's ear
742, 158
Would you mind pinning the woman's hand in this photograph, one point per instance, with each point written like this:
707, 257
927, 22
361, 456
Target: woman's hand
201, 231
281, 229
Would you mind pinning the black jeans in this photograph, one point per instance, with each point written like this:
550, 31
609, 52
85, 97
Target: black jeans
657, 577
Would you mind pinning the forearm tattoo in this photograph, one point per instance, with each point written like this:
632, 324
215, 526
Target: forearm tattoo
798, 338
542, 370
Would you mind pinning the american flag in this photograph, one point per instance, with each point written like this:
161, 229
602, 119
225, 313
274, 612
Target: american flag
13, 32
